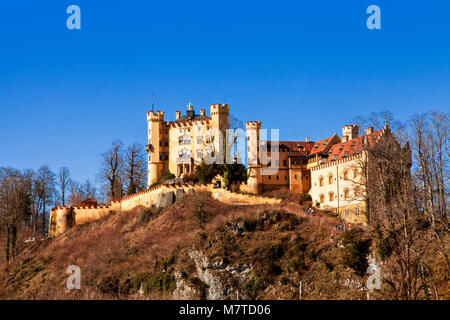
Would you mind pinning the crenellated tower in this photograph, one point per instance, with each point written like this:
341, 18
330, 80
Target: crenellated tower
157, 146
254, 180
220, 114
349, 132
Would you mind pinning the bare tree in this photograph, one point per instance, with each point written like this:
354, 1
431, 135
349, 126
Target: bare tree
430, 136
63, 182
88, 190
135, 168
15, 206
111, 171
44, 188
76, 194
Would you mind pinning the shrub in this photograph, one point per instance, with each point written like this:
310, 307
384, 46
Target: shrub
272, 268
304, 197
169, 176
148, 215
161, 282
114, 284
272, 252
206, 172
200, 214
253, 286
355, 251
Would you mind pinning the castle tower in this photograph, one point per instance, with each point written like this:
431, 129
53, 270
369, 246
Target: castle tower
349, 131
254, 179
220, 116
156, 148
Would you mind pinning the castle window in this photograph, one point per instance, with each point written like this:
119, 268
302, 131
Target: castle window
330, 179
284, 163
166, 143
322, 198
331, 196
345, 175
269, 177
321, 181
199, 140
278, 177
345, 154
285, 177
346, 193
295, 176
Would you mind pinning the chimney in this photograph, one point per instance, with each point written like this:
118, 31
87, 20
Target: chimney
202, 112
307, 139
369, 130
178, 114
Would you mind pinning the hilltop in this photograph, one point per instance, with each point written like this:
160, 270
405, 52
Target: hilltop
198, 248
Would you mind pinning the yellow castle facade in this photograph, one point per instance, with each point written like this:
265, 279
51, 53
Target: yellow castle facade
177, 146
329, 170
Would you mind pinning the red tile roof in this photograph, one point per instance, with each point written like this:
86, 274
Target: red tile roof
294, 146
351, 147
320, 146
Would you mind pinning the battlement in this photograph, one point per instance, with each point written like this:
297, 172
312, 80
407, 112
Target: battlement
158, 116
253, 124
219, 108
350, 131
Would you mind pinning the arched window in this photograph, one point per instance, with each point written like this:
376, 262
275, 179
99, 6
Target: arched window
321, 181
331, 196
330, 179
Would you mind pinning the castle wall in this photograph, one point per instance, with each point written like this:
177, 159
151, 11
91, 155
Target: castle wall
341, 188
62, 218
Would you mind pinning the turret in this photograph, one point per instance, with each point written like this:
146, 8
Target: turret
349, 131
155, 146
220, 115
254, 179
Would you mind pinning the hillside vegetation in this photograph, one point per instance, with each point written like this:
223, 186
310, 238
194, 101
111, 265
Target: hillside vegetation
199, 248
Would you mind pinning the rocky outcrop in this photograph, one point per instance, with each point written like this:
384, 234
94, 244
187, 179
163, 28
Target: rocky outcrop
216, 275
165, 199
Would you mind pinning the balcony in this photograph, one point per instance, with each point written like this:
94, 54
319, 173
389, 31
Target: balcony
184, 159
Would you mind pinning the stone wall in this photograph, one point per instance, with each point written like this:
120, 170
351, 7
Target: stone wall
162, 196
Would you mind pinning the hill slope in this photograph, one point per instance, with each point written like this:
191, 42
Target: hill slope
198, 248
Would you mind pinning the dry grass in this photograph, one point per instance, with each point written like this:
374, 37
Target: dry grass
126, 249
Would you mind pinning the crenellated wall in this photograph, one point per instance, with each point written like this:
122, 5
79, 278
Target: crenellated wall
63, 218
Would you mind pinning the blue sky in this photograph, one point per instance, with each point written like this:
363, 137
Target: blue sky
306, 67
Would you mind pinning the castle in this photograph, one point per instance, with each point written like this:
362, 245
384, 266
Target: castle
329, 170
179, 145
